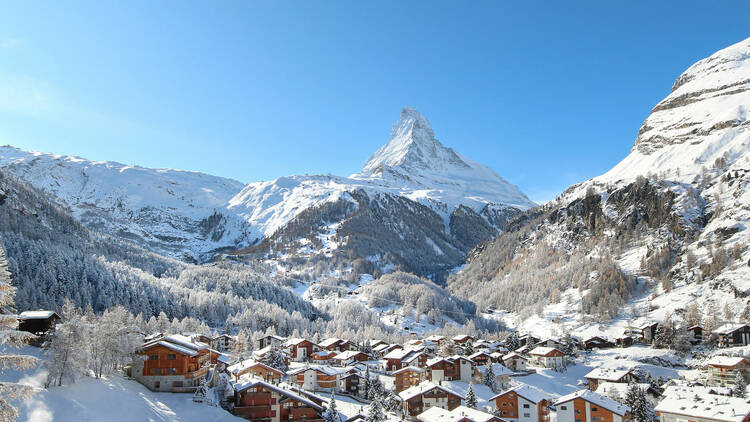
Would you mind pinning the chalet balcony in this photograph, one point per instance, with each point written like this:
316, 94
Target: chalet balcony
255, 413
184, 389
196, 374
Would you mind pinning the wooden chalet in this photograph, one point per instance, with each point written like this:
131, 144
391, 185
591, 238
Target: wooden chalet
270, 340
261, 401
173, 363
37, 322
300, 349
522, 404
696, 334
459, 414
407, 377
463, 339
599, 375
722, 370
425, 395
548, 357
515, 362
597, 342
481, 358
257, 369
588, 406
733, 335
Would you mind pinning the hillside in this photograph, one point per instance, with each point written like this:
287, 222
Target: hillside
661, 234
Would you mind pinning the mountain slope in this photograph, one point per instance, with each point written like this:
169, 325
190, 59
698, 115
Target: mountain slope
664, 229
169, 211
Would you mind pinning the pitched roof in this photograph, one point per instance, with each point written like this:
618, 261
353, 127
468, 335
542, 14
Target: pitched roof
436, 414
422, 388
607, 374
37, 314
543, 351
408, 369
497, 368
528, 392
514, 355
330, 342
328, 370
436, 360
692, 402
397, 354
596, 399
283, 391
726, 361
347, 355
729, 328
171, 346
250, 363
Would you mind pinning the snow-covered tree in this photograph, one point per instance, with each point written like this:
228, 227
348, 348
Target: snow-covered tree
375, 411
366, 392
392, 403
242, 346
511, 342
740, 386
490, 380
66, 347
375, 389
11, 338
331, 414
635, 398
468, 349
277, 359
471, 397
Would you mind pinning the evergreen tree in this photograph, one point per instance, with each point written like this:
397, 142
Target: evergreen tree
740, 386
635, 398
392, 403
376, 389
468, 349
471, 397
375, 411
511, 342
332, 414
490, 380
366, 392
11, 337
276, 359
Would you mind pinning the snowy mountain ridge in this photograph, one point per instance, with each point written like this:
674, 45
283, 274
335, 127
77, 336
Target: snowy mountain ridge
192, 215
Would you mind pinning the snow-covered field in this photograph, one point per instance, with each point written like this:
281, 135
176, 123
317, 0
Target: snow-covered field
110, 399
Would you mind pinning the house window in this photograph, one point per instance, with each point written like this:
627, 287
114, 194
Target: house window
594, 409
563, 407
155, 371
595, 419
177, 384
171, 356
578, 412
525, 406
171, 371
157, 384
526, 415
153, 357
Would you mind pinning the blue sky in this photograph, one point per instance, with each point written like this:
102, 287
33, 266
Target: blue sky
546, 93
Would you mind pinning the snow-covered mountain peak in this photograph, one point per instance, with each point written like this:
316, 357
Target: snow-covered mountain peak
411, 147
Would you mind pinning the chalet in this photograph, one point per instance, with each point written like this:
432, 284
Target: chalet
588, 406
257, 369
37, 322
515, 362
383, 349
722, 370
497, 357
733, 335
319, 378
353, 383
299, 349
270, 341
439, 369
408, 377
625, 340
550, 342
696, 334
459, 414
647, 332
261, 401
599, 375
524, 350
223, 342
597, 342
502, 374
522, 404
323, 356
173, 363
425, 395
464, 368
688, 404
435, 339
548, 357
462, 339
480, 358
399, 358
376, 342
336, 344
349, 357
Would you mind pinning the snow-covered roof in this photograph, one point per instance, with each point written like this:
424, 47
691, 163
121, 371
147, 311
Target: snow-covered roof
726, 361
397, 354
514, 355
293, 342
528, 392
607, 374
247, 364
691, 402
37, 314
283, 391
186, 341
436, 414
328, 370
596, 399
461, 337
434, 338
543, 351
422, 388
729, 328
380, 347
435, 360
477, 354
412, 357
408, 369
329, 342
497, 368
607, 387
172, 346
262, 351
347, 354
